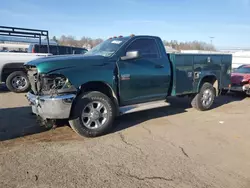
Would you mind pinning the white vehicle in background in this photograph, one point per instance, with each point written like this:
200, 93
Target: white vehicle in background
12, 71
240, 58
10, 47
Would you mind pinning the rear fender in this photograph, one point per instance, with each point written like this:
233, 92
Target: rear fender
211, 78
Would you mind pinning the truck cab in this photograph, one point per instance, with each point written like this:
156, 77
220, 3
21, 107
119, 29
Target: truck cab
119, 75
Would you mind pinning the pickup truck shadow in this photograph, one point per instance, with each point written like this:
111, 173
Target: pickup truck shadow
3, 89
177, 106
18, 122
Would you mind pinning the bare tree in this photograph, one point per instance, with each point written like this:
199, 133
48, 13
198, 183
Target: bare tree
88, 42
194, 45
83, 42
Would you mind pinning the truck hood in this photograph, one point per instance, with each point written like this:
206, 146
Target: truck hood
57, 62
237, 78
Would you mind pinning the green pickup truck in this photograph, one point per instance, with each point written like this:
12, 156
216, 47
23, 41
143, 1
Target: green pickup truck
121, 75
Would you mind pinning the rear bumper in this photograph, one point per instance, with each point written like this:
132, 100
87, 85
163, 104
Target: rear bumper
47, 107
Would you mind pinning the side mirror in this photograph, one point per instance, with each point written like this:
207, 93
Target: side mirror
131, 55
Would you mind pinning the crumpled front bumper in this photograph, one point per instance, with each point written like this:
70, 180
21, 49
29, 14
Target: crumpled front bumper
51, 107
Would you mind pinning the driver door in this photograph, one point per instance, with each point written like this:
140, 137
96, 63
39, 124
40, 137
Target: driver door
146, 78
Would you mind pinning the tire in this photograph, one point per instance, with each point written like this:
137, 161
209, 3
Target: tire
197, 101
248, 94
82, 107
22, 79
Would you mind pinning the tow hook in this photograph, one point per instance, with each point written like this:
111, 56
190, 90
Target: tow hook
47, 123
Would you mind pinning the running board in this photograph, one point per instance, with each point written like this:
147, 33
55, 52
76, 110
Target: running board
142, 107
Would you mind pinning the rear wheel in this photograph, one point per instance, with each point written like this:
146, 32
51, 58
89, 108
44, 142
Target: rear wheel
93, 114
205, 98
18, 82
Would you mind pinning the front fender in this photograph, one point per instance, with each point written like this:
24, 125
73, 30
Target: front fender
79, 76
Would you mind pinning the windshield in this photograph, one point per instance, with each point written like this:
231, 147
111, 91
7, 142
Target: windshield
108, 47
242, 70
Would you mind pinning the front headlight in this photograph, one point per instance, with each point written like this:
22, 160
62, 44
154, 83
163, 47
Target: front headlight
60, 82
245, 81
55, 83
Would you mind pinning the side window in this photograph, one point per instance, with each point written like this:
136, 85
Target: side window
62, 50
146, 47
53, 50
68, 50
42, 49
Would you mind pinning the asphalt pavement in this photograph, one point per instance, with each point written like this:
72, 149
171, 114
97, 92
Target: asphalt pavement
174, 146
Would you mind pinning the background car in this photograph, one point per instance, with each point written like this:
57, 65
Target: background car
240, 79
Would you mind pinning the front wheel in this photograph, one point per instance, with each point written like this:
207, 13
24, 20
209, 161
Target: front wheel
205, 98
92, 115
18, 82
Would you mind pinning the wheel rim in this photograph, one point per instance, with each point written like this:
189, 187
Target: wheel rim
19, 82
94, 115
207, 97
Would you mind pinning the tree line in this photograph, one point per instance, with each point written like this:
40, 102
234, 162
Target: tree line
86, 42
193, 45
89, 42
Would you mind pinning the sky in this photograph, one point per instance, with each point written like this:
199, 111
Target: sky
228, 21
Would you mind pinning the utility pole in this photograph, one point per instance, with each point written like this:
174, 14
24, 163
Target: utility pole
211, 40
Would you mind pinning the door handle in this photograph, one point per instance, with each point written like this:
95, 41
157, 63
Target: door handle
125, 77
159, 66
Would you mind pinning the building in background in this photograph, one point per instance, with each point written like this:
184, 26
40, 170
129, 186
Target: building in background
13, 47
240, 58
17, 44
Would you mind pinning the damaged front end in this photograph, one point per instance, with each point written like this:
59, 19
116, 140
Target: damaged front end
51, 95
246, 87
243, 86
49, 84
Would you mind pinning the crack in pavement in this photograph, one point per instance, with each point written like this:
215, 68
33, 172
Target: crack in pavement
149, 178
183, 151
149, 131
172, 144
129, 144
115, 147
128, 174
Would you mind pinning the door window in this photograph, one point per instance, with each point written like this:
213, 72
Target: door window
146, 47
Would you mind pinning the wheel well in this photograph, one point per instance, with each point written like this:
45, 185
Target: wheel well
212, 80
101, 87
10, 68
